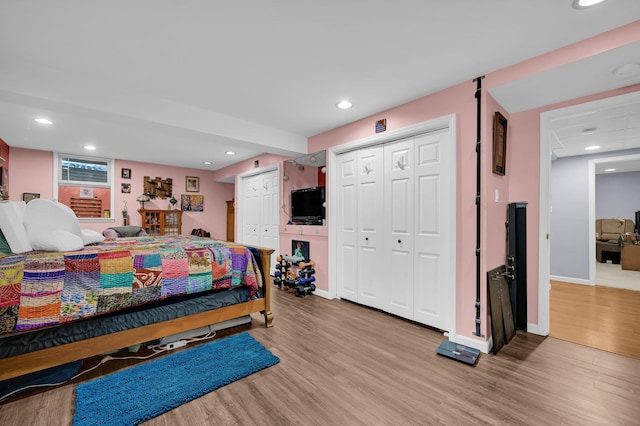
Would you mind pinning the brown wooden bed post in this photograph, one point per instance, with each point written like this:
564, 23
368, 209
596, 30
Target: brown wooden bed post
265, 261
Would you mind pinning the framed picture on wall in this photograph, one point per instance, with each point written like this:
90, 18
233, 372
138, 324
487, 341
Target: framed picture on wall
499, 144
126, 174
28, 196
193, 184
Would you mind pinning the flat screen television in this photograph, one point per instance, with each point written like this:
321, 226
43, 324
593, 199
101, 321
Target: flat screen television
307, 205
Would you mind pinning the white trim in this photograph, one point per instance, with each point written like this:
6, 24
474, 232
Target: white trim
544, 221
533, 328
322, 293
591, 214
446, 122
572, 280
481, 345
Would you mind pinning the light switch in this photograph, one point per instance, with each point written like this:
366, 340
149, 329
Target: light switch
497, 195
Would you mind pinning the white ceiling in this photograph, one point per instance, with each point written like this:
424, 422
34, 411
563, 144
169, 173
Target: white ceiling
181, 82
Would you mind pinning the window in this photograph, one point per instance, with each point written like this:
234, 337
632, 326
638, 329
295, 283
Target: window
85, 184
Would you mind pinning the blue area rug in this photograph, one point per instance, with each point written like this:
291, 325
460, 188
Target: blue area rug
147, 390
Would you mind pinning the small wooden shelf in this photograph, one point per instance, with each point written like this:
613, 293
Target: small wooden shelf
86, 207
161, 222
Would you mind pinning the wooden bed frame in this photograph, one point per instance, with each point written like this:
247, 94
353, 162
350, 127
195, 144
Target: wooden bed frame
39, 360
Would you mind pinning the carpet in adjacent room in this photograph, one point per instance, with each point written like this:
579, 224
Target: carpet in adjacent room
147, 390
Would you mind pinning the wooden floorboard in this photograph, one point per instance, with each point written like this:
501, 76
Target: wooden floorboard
600, 317
343, 364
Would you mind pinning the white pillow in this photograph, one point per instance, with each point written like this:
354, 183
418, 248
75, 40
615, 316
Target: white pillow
11, 223
52, 226
89, 236
57, 241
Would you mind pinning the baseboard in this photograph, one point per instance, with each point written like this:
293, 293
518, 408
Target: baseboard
570, 280
482, 346
322, 293
533, 329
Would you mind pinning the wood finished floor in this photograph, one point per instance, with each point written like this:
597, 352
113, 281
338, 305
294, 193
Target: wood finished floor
600, 317
342, 364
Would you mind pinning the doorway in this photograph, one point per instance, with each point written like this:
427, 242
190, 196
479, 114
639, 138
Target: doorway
547, 139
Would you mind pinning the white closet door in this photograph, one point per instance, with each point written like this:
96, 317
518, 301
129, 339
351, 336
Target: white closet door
270, 195
432, 239
270, 212
370, 224
399, 222
251, 213
347, 227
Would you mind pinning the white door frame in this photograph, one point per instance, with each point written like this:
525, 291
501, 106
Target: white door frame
449, 122
240, 182
546, 137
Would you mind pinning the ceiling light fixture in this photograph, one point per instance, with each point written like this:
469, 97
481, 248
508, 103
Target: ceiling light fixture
43, 120
344, 104
90, 147
592, 147
230, 153
583, 4
627, 70
206, 162
609, 170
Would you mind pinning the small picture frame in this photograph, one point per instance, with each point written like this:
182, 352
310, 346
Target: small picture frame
126, 174
125, 188
192, 184
28, 196
499, 144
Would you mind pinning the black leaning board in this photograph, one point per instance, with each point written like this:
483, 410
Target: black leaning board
458, 352
502, 324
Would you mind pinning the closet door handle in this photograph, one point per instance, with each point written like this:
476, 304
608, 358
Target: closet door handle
399, 241
366, 238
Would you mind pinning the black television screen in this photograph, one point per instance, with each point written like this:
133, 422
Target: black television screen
307, 205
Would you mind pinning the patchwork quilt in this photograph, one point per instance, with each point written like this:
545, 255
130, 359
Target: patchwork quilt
39, 289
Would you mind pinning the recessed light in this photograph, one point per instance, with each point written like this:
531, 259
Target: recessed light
583, 4
206, 162
43, 120
588, 131
90, 147
344, 104
627, 70
230, 153
609, 170
592, 147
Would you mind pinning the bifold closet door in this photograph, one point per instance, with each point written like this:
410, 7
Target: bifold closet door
347, 235
433, 242
251, 211
270, 212
398, 274
369, 223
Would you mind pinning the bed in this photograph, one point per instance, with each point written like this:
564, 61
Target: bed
68, 297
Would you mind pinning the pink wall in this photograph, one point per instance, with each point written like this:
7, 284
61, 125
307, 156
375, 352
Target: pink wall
247, 166
212, 219
32, 171
494, 213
